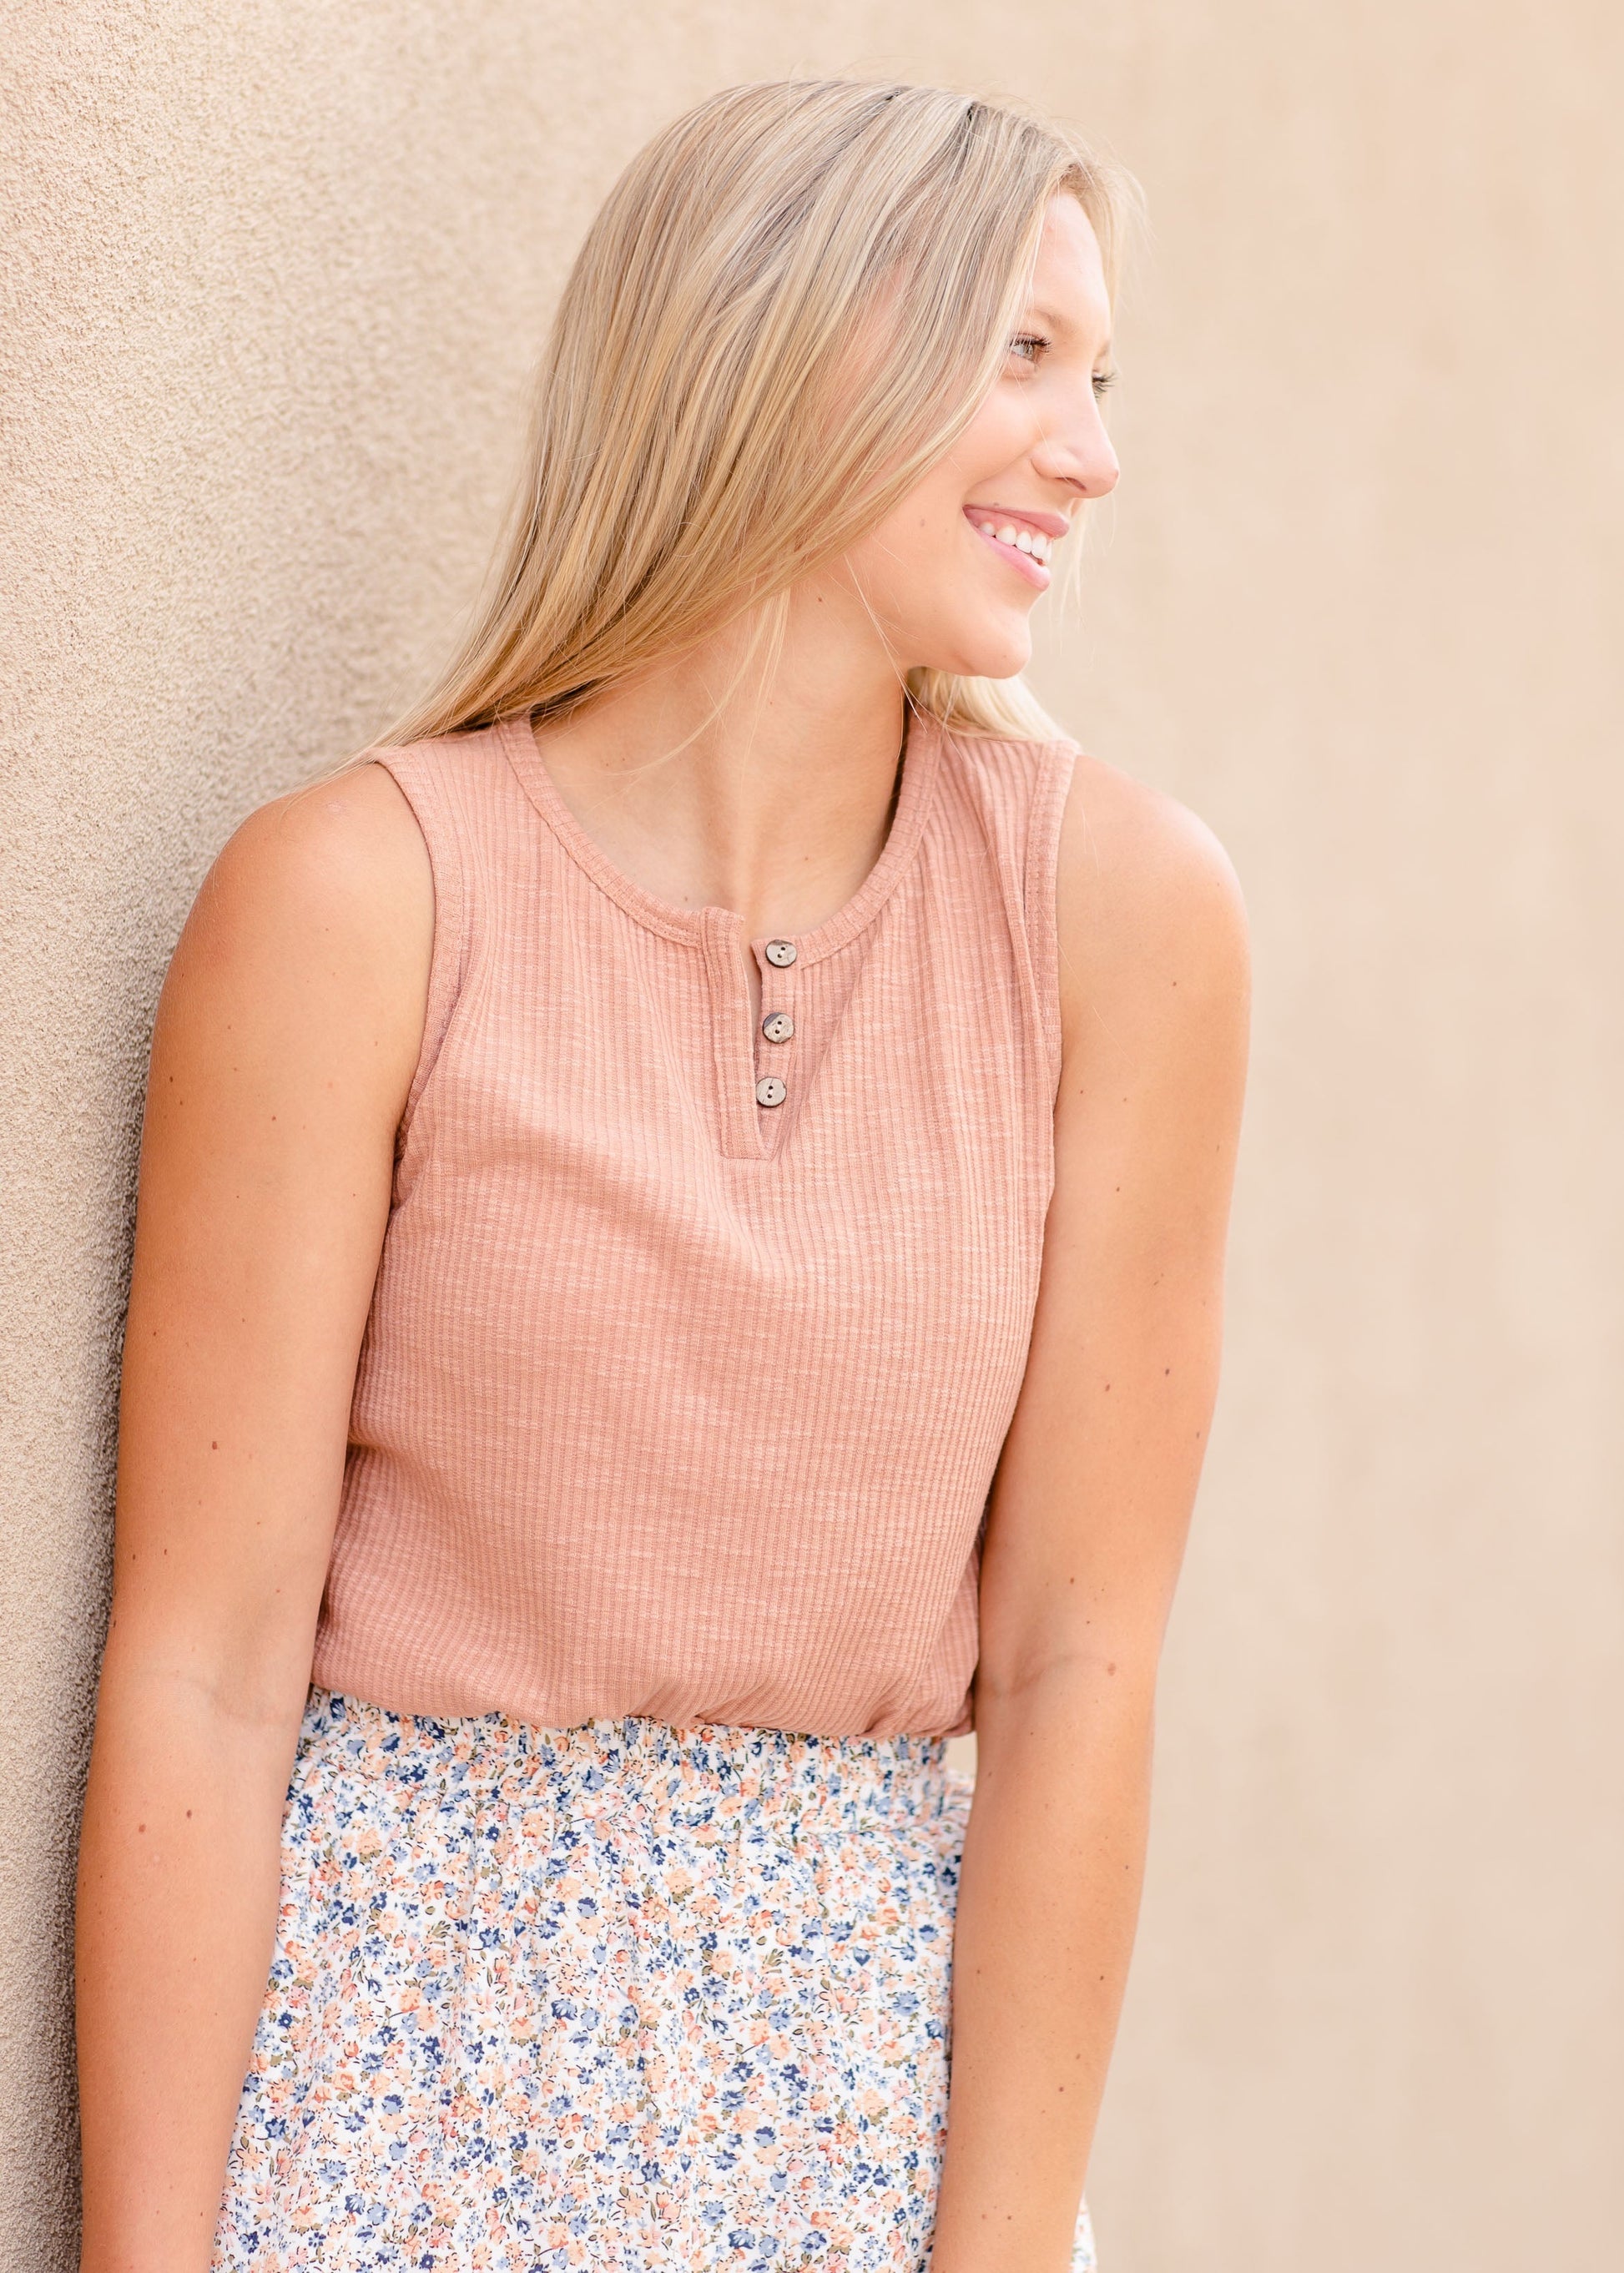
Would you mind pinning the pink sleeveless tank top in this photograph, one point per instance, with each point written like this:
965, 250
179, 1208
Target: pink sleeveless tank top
694, 1343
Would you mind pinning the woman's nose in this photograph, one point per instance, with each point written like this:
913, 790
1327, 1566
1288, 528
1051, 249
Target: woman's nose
1103, 474
1082, 454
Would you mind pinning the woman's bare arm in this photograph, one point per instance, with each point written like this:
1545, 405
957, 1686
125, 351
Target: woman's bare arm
287, 1034
1090, 1512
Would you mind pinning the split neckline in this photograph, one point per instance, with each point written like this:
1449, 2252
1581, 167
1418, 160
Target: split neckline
920, 764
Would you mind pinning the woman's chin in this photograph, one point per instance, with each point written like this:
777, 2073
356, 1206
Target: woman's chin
991, 652
999, 658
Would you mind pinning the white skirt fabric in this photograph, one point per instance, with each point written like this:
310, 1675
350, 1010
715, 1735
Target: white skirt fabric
622, 1997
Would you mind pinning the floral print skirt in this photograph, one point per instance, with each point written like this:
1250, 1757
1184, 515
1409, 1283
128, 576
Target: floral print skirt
623, 1997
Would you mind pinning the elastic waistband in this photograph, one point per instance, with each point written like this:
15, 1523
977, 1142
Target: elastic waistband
659, 1762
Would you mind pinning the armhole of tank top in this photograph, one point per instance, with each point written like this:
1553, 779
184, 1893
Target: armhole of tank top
1058, 769
415, 778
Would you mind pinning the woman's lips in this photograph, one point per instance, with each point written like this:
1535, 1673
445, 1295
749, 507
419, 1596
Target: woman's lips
1034, 571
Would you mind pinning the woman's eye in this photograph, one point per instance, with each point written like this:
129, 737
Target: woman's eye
1022, 339
1104, 381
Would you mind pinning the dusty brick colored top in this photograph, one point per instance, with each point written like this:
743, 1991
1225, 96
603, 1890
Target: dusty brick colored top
671, 1402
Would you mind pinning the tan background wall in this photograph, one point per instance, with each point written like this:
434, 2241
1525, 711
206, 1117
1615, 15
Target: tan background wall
279, 266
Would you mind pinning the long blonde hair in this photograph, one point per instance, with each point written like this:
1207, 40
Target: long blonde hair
787, 308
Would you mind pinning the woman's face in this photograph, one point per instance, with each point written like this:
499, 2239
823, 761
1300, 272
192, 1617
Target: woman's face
946, 580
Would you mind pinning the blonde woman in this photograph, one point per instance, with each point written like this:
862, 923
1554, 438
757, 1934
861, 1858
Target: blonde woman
677, 1267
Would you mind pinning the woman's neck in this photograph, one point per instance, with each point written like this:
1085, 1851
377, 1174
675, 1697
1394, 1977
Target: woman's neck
772, 795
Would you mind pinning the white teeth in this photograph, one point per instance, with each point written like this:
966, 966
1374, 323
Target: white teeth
1024, 540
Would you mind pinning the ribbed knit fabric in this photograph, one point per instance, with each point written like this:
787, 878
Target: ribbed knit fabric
671, 1403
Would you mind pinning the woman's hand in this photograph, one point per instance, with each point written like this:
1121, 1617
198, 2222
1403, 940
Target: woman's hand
287, 1035
1090, 1511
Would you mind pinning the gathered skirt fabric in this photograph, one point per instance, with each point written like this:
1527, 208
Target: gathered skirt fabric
622, 1996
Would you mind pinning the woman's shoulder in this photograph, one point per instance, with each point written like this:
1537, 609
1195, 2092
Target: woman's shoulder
1000, 758
1141, 852
344, 851
319, 911
1149, 912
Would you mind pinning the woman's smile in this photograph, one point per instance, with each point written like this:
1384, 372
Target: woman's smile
1025, 538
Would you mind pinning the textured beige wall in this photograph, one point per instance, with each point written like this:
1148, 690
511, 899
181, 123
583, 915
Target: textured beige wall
278, 268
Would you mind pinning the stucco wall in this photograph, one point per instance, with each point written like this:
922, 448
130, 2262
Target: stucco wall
278, 268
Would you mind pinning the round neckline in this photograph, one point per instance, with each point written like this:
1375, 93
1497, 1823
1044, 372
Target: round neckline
922, 753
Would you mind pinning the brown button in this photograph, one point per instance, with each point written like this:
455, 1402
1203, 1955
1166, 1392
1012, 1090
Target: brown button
777, 1026
780, 953
770, 1089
